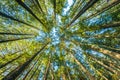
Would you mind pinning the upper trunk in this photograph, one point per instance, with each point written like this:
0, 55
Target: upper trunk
14, 74
84, 9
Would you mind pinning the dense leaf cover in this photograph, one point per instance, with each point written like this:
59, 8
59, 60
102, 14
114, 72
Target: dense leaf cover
59, 39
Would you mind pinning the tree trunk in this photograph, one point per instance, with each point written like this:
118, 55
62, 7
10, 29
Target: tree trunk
3, 65
8, 33
12, 18
83, 68
110, 49
105, 66
114, 3
15, 73
3, 41
31, 68
104, 51
46, 72
84, 9
29, 10
54, 1
34, 72
39, 6
114, 24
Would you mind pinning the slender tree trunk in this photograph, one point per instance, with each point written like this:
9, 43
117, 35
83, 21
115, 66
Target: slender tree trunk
83, 68
29, 10
75, 7
12, 53
3, 65
34, 72
114, 24
114, 3
12, 18
52, 72
5, 70
114, 55
15, 73
46, 72
69, 75
84, 9
54, 2
111, 49
91, 56
31, 68
105, 51
105, 66
3, 41
39, 6
8, 33
108, 25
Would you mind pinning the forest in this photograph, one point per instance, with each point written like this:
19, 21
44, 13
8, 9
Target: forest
59, 39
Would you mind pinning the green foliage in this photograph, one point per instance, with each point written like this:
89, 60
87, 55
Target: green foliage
59, 39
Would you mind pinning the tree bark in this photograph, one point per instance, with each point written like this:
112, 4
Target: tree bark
111, 49
114, 24
3, 65
88, 57
107, 52
8, 33
114, 3
15, 73
84, 9
39, 6
54, 1
34, 72
3, 41
105, 66
29, 10
46, 72
12, 18
83, 68
31, 68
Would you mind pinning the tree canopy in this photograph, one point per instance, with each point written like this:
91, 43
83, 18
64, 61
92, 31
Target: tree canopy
59, 39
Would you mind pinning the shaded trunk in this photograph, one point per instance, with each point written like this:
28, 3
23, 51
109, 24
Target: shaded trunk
68, 74
105, 51
29, 10
3, 65
84, 9
104, 26
105, 66
3, 41
83, 68
12, 53
114, 24
46, 72
114, 55
91, 56
54, 2
39, 6
52, 73
34, 72
15, 73
5, 70
110, 49
12, 18
76, 7
8, 33
104, 9
31, 68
